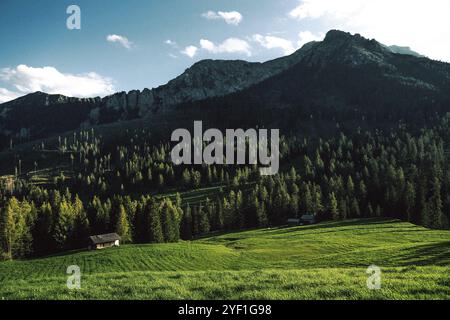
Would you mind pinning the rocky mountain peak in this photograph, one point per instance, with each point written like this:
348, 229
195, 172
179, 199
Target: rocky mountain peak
214, 78
338, 35
345, 48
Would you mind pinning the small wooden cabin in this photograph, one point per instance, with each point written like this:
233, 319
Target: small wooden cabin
294, 222
104, 241
308, 219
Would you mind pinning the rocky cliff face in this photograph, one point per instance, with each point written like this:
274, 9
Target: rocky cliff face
40, 115
346, 49
205, 79
35, 115
405, 50
345, 74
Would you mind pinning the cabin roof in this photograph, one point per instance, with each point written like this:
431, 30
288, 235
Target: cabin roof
104, 238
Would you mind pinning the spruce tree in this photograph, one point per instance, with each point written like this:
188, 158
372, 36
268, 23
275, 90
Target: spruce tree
204, 226
168, 221
186, 224
343, 209
123, 226
333, 205
42, 235
64, 225
7, 228
410, 201
435, 206
154, 219
81, 224
23, 224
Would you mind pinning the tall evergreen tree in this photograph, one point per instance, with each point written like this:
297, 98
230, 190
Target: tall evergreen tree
8, 228
333, 207
186, 224
410, 201
435, 206
154, 219
123, 226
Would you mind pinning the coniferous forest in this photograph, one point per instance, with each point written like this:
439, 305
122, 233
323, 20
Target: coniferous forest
131, 187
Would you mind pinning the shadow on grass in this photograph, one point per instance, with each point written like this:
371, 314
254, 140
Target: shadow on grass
437, 254
335, 224
215, 234
289, 229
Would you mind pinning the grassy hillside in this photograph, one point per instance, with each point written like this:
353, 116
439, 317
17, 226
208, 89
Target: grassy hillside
326, 261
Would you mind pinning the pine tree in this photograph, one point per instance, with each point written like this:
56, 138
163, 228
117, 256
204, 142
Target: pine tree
261, 214
334, 211
123, 226
161, 181
7, 228
350, 186
239, 218
81, 224
362, 193
168, 221
354, 208
154, 219
186, 224
23, 225
217, 219
343, 209
435, 206
307, 200
204, 226
410, 201
64, 225
317, 201
114, 213
42, 235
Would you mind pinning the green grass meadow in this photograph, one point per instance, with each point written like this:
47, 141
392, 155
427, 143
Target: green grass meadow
324, 261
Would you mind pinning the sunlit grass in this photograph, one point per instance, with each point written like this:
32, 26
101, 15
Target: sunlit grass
326, 261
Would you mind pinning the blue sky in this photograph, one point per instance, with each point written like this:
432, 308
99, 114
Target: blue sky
38, 52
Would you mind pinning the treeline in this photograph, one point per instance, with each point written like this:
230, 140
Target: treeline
50, 222
397, 173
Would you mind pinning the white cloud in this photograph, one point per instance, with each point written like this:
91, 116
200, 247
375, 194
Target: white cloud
123, 41
273, 42
171, 43
232, 17
6, 95
230, 45
421, 25
313, 9
307, 36
285, 45
27, 79
190, 51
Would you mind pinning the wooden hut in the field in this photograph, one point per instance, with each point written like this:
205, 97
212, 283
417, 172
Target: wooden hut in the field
104, 241
294, 222
308, 219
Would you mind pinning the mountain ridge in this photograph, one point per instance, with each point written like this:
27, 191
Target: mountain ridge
27, 117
